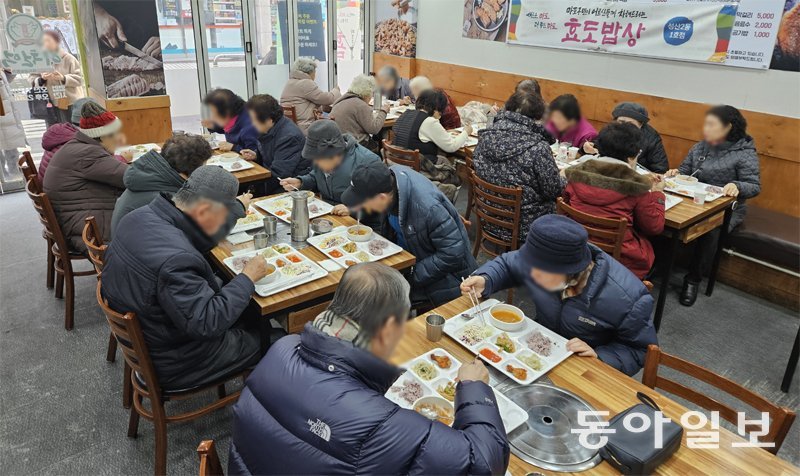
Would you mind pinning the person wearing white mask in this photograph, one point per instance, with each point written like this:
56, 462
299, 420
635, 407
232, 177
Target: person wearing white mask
579, 291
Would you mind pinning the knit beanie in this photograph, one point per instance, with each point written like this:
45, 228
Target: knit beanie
557, 244
324, 140
633, 110
77, 107
97, 122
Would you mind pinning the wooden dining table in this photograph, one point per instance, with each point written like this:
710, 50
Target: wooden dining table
303, 294
257, 173
605, 388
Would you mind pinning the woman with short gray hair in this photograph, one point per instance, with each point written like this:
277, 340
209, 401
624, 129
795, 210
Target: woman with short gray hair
355, 116
303, 93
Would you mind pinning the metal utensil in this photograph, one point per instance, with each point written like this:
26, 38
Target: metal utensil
281, 180
270, 225
475, 299
260, 240
434, 326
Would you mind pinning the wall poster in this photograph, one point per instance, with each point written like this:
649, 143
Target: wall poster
786, 56
396, 27
486, 19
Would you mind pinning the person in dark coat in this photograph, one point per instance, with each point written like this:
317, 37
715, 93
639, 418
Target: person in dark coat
335, 156
653, 157
579, 292
228, 116
156, 267
514, 151
394, 87
610, 187
421, 220
280, 143
725, 158
315, 404
155, 173
84, 179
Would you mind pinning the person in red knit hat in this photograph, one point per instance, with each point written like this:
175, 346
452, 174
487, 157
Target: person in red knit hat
83, 178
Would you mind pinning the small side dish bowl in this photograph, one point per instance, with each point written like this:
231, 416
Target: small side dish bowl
359, 233
686, 180
272, 275
321, 225
435, 408
228, 157
507, 317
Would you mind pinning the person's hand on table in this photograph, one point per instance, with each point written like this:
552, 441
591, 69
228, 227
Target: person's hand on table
290, 184
580, 348
671, 173
473, 371
152, 47
225, 146
589, 148
248, 154
256, 268
127, 154
730, 190
340, 210
109, 29
207, 123
469, 129
405, 101
475, 284
659, 184
245, 199
386, 108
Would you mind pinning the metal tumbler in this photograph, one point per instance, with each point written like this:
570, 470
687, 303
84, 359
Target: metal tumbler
260, 240
434, 326
270, 226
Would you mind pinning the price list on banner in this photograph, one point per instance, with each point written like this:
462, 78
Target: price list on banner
754, 33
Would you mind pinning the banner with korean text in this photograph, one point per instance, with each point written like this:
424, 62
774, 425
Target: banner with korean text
734, 33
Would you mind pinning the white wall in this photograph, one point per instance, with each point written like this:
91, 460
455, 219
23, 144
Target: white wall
439, 39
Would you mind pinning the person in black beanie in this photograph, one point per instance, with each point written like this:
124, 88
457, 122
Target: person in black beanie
579, 291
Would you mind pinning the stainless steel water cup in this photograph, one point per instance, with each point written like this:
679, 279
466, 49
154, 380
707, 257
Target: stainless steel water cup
260, 240
434, 326
270, 225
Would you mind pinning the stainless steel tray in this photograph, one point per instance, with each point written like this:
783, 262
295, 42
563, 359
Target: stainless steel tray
545, 440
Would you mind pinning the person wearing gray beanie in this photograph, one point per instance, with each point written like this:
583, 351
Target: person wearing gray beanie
578, 290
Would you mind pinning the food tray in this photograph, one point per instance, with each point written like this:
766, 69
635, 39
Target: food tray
336, 245
470, 142
138, 150
281, 207
512, 414
714, 192
455, 326
253, 220
235, 166
291, 259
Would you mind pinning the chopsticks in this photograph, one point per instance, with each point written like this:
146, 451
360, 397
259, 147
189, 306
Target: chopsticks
475, 299
281, 180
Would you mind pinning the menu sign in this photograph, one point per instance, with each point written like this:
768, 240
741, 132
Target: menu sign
734, 33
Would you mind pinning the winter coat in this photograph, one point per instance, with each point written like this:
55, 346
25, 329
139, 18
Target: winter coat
653, 156
280, 149
332, 186
83, 179
156, 267
450, 118
70, 67
315, 405
53, 138
577, 135
12, 135
356, 117
514, 151
306, 96
434, 234
719, 165
611, 314
242, 135
609, 188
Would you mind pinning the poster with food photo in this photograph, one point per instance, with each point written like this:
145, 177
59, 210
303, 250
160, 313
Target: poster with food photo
130, 47
787, 48
486, 19
396, 27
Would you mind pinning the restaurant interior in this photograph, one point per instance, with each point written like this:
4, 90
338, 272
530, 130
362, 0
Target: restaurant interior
399, 237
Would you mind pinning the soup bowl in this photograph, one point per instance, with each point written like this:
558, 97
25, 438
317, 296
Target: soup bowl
507, 317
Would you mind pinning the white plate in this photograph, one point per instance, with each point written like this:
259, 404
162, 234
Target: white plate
281, 207
138, 150
235, 166
512, 414
284, 281
453, 327
253, 220
674, 187
362, 253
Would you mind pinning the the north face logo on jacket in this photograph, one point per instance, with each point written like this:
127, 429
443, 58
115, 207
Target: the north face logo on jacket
320, 428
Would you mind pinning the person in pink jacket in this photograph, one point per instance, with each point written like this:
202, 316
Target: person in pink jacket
567, 124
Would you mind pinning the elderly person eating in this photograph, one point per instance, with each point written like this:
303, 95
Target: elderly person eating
316, 405
393, 87
355, 116
302, 92
450, 118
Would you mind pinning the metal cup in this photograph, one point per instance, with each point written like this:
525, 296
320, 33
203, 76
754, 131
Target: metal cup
260, 240
434, 325
270, 225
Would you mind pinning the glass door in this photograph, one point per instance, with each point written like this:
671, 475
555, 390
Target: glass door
312, 38
350, 41
224, 46
270, 42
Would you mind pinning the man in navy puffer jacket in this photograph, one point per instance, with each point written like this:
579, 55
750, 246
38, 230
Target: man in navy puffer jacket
315, 404
579, 292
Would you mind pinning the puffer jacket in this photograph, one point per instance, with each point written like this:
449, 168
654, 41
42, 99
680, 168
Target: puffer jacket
514, 150
434, 234
719, 165
280, 149
315, 405
156, 267
611, 314
53, 138
83, 179
653, 156
332, 186
241, 134
609, 188
305, 95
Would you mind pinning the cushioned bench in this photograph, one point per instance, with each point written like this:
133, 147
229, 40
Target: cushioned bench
768, 236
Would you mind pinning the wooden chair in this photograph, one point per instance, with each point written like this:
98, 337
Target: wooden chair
209, 459
128, 333
400, 156
781, 418
470, 195
93, 239
28, 169
605, 233
63, 258
290, 112
496, 207
296, 321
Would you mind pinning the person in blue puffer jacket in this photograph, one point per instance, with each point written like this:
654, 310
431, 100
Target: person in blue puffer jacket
579, 292
315, 404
